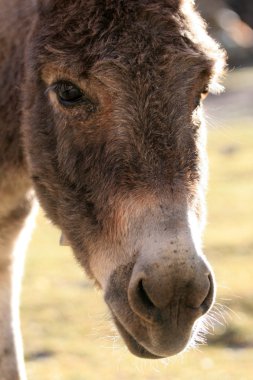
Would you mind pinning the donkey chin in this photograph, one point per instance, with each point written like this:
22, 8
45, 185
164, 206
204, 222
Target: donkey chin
157, 298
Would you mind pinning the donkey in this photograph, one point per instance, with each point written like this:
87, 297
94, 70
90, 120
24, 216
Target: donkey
101, 114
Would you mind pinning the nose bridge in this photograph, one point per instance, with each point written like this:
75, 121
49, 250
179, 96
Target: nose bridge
169, 241
162, 233
169, 262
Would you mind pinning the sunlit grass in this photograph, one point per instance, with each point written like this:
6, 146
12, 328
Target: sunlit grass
66, 326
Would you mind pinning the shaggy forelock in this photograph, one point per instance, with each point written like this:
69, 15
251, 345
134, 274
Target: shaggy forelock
131, 32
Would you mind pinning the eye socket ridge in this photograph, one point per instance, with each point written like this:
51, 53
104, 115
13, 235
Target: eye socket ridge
70, 95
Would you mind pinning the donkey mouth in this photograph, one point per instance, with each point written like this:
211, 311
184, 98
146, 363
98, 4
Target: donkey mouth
134, 347
153, 341
165, 333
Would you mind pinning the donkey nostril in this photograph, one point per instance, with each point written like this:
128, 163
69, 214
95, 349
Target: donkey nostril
143, 295
206, 304
140, 301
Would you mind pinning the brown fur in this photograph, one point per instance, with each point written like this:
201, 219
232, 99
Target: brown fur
131, 164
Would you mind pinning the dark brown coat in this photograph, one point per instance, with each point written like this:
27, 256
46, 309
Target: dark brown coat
100, 108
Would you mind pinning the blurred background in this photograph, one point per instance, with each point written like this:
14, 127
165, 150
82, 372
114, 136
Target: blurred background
67, 329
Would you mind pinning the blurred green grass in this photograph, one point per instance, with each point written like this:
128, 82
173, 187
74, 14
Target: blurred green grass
65, 323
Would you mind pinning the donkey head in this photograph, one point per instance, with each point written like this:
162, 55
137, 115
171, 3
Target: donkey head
116, 147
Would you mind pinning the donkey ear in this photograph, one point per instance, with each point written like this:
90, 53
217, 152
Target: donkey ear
63, 241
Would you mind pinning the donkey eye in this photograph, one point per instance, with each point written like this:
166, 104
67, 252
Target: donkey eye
70, 95
197, 101
204, 93
202, 96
